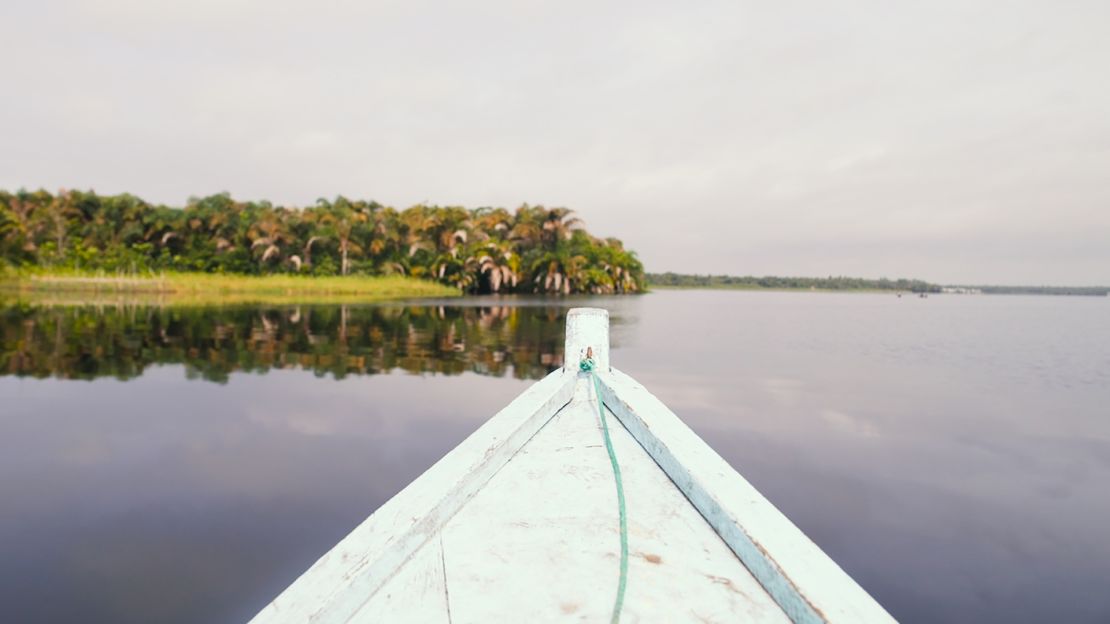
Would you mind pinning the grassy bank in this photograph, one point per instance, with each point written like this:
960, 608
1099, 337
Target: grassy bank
205, 288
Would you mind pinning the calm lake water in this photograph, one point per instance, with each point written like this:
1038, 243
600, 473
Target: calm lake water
185, 465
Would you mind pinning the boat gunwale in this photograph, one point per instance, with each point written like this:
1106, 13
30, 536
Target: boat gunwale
347, 576
805, 582
802, 579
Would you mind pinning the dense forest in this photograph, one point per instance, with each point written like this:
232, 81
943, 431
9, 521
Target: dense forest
532, 249
678, 280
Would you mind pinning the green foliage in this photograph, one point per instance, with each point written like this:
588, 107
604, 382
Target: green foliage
487, 250
678, 280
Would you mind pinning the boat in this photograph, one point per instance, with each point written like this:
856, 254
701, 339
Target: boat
561, 507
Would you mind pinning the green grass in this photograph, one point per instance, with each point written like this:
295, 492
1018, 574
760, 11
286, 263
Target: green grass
207, 288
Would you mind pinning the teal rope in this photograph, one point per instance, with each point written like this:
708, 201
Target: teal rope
587, 365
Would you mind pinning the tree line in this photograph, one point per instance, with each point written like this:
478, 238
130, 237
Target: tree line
1078, 291
679, 280
485, 250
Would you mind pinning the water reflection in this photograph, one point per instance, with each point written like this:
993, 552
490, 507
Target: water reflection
87, 342
951, 453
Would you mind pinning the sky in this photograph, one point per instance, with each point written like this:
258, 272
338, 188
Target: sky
961, 141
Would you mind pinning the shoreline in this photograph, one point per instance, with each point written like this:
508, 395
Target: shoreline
209, 288
656, 287
1097, 292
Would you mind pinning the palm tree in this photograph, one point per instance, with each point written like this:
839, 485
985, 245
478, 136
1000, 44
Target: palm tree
557, 272
527, 230
448, 268
312, 240
19, 236
413, 224
496, 263
58, 213
343, 218
389, 248
268, 235
494, 223
7, 223
111, 222
443, 228
558, 225
344, 227
623, 268
306, 225
223, 220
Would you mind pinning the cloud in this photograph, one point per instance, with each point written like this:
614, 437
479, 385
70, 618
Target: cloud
849, 424
946, 140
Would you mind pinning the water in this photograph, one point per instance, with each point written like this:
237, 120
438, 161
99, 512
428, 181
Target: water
185, 465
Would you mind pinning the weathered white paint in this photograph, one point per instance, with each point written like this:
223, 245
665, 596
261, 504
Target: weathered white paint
540, 542
416, 593
806, 583
350, 574
587, 329
519, 523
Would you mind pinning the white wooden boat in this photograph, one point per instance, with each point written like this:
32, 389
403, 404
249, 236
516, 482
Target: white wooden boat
520, 523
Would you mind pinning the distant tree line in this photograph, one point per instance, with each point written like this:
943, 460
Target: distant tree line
679, 280
486, 250
1088, 291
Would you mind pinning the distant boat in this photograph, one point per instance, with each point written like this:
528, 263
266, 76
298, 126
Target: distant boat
522, 522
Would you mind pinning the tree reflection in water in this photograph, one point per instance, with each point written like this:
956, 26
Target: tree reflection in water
121, 341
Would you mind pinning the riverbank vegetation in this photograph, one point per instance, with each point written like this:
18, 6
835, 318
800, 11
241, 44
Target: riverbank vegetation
749, 282
486, 250
71, 286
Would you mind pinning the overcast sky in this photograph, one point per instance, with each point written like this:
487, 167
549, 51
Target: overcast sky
955, 141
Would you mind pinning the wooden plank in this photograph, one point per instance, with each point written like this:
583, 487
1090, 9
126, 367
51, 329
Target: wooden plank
417, 593
809, 586
540, 542
350, 574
